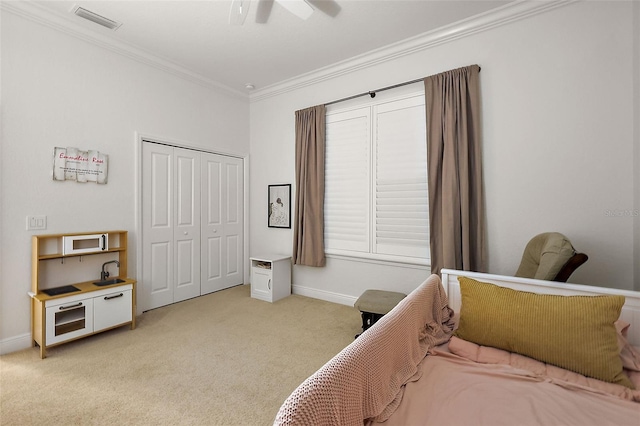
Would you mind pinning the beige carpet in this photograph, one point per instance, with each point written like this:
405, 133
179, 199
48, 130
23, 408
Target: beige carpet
224, 359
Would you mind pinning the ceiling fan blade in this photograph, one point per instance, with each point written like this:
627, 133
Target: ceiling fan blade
239, 11
301, 8
263, 11
328, 7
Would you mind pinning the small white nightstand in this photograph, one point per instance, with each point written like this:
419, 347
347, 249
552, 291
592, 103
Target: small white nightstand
270, 277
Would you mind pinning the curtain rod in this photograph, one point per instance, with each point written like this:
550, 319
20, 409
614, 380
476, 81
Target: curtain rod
372, 93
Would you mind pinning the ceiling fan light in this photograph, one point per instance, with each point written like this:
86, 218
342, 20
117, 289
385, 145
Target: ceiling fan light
301, 8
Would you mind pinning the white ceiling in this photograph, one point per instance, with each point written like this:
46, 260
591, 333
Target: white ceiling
196, 35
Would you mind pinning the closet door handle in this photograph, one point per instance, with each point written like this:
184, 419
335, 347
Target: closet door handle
113, 297
62, 308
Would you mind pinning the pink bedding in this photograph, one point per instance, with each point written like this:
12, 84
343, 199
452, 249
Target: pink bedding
548, 372
365, 380
457, 391
385, 377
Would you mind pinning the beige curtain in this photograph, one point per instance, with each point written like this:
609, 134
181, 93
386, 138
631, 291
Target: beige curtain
454, 165
308, 235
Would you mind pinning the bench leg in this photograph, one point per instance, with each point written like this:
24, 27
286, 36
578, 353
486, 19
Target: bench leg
368, 319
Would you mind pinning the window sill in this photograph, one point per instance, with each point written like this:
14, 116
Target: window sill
422, 264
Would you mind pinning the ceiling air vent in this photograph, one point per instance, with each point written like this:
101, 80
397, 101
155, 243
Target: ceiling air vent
94, 17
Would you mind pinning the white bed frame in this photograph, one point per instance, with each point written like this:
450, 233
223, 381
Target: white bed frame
630, 311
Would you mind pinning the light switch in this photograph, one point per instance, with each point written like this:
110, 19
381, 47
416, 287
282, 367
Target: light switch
36, 223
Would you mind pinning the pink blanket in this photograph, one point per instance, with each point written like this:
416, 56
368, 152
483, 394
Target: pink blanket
456, 391
541, 370
365, 380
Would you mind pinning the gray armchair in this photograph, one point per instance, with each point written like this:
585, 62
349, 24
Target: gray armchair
550, 256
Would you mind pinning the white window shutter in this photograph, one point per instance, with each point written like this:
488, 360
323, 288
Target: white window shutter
401, 205
347, 181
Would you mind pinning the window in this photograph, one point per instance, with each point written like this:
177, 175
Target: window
376, 203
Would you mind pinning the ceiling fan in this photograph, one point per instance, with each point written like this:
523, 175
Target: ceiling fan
240, 8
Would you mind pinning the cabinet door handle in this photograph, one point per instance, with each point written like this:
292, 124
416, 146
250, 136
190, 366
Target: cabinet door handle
269, 284
62, 308
113, 297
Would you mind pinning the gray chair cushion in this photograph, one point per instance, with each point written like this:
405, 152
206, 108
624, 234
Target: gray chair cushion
378, 301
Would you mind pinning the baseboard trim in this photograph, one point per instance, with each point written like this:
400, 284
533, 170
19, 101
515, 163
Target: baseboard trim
328, 296
14, 344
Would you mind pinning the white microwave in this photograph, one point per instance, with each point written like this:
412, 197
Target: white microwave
78, 244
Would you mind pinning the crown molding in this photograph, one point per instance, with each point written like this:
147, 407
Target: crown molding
511, 12
506, 14
36, 13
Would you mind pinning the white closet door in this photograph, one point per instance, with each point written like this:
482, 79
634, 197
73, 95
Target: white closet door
222, 227
187, 224
233, 221
157, 224
192, 223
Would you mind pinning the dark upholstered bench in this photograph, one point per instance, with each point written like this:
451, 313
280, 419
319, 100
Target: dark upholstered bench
374, 304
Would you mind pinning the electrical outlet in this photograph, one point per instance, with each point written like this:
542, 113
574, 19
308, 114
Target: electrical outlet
36, 223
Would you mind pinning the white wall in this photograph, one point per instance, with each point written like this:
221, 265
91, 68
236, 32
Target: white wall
58, 90
558, 142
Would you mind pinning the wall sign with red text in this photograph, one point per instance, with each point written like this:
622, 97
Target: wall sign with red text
81, 166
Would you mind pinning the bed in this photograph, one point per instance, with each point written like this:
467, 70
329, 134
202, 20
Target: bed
472, 348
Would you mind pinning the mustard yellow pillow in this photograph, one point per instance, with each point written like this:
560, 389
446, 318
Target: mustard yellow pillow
572, 332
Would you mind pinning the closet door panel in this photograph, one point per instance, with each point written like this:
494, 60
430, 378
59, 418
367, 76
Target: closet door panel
187, 224
161, 272
212, 229
233, 221
211, 266
157, 223
233, 261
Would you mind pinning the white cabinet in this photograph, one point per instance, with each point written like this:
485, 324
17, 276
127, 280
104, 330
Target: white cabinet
261, 283
68, 319
112, 310
270, 277
72, 317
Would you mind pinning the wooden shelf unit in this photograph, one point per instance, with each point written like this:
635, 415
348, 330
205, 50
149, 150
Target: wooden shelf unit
115, 303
